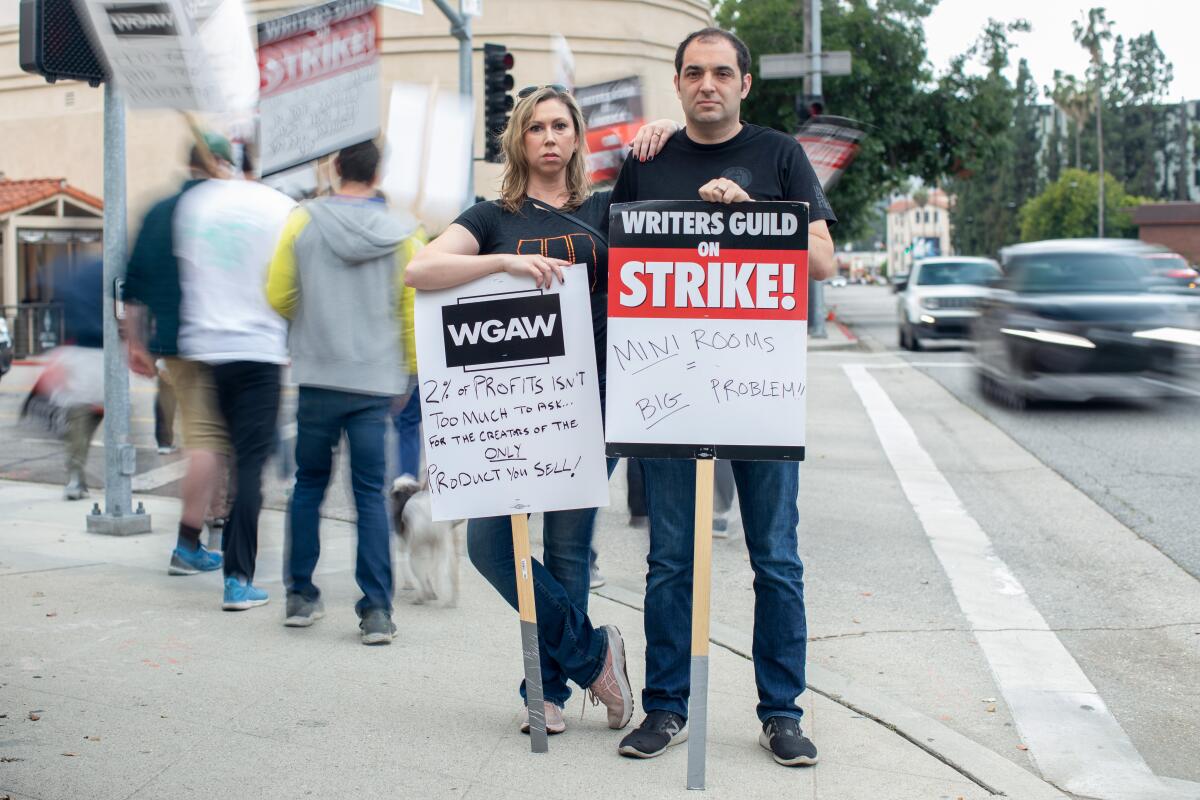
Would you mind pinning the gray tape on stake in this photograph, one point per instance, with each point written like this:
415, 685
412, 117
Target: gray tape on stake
697, 722
533, 687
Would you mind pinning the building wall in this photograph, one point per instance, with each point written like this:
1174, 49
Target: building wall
906, 221
1182, 239
57, 130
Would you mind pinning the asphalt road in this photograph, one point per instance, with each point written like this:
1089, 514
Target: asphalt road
1140, 461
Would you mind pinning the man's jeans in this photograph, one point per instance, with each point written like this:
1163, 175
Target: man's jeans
248, 394
321, 416
767, 493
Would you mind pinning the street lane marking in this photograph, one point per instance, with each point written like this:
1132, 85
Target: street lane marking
1173, 386
1074, 739
160, 476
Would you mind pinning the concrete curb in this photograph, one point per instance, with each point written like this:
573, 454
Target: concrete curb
975, 762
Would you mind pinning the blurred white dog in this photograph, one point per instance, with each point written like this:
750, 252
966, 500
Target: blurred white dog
432, 564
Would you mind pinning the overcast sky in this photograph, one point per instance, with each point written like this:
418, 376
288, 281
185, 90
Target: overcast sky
1050, 46
956, 23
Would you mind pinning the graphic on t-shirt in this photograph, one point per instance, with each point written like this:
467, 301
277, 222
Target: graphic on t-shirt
574, 248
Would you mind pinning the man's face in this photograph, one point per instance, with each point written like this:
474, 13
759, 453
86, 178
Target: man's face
709, 84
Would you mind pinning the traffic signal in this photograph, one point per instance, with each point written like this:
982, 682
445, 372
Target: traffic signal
497, 102
55, 44
809, 106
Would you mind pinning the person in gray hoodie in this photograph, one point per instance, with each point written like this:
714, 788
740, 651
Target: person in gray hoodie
337, 275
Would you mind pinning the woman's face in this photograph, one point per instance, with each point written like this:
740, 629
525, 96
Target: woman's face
550, 139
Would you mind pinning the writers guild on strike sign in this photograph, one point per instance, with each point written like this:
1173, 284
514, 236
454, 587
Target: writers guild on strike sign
510, 403
707, 330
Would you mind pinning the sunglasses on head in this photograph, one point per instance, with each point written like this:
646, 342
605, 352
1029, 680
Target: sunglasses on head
528, 90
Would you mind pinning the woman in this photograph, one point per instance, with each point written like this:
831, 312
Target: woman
545, 171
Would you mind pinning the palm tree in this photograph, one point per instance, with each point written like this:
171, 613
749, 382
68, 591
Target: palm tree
1073, 100
1091, 34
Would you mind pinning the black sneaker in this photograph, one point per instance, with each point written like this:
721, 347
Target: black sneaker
658, 731
790, 747
376, 626
302, 612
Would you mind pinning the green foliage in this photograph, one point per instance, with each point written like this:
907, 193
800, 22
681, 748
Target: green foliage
1067, 209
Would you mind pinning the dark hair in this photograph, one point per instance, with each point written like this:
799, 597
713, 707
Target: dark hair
359, 162
739, 47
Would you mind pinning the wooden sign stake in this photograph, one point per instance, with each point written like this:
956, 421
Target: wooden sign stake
527, 608
701, 595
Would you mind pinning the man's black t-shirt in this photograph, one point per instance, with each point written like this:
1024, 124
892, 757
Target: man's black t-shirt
769, 165
536, 231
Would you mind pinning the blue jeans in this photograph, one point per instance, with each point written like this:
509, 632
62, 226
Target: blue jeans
767, 493
321, 416
408, 427
570, 648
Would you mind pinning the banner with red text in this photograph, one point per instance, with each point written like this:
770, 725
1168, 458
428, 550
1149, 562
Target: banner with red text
707, 330
319, 82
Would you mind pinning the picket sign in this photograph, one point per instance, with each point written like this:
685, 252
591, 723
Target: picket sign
510, 409
707, 338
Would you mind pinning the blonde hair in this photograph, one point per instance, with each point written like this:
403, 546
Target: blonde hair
515, 183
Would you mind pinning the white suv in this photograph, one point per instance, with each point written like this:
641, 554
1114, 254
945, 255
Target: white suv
940, 299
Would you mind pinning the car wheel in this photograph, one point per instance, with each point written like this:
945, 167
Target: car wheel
902, 335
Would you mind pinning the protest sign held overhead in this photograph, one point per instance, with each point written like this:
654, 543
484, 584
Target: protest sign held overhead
707, 330
320, 84
192, 55
613, 115
509, 401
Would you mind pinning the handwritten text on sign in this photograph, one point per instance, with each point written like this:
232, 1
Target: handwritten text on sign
707, 329
509, 398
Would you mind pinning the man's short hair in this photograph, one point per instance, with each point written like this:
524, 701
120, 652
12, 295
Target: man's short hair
739, 47
359, 162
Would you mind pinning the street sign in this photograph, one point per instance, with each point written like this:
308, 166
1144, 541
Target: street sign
411, 6
797, 65
471, 8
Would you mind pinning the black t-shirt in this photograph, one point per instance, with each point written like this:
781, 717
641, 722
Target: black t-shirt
768, 164
535, 231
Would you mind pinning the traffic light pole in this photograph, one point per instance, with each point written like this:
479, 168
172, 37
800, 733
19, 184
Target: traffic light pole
120, 457
812, 88
460, 28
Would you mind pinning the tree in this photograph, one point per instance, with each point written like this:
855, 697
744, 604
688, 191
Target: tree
1091, 37
1068, 208
1072, 99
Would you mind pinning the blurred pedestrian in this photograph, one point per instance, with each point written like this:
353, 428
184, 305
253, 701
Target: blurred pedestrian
165, 406
153, 298
225, 235
337, 275
406, 415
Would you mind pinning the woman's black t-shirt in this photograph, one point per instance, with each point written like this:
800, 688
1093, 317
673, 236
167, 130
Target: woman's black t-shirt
536, 231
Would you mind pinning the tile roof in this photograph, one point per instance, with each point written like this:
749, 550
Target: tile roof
15, 195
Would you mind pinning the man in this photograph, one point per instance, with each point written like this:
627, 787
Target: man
153, 298
337, 277
719, 158
225, 235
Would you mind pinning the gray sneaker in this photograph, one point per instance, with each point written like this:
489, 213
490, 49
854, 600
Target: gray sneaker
611, 686
302, 612
377, 627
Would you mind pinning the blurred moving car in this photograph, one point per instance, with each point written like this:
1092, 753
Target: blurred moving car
6, 347
941, 298
838, 281
1173, 270
1082, 319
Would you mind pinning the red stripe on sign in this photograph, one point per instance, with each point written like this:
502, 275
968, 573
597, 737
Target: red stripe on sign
673, 283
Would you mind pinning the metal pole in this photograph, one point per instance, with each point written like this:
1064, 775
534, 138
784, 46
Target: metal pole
120, 457
460, 28
816, 289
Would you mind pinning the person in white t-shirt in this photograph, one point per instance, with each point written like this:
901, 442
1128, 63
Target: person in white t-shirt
225, 234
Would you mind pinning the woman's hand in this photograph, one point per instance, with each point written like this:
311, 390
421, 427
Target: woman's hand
723, 190
542, 269
651, 139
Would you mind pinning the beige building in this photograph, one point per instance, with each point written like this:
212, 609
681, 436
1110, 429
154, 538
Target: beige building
918, 227
57, 130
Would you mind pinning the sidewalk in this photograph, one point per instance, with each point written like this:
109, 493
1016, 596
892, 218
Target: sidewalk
118, 681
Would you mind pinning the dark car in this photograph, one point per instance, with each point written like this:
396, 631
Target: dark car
1082, 319
6, 347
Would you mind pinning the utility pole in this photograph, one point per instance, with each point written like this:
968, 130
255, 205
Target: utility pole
460, 28
812, 88
1100, 147
120, 457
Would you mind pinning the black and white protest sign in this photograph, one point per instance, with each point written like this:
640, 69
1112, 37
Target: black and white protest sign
707, 330
509, 399
192, 55
320, 90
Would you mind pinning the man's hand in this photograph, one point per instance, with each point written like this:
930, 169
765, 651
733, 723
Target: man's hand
723, 190
140, 360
